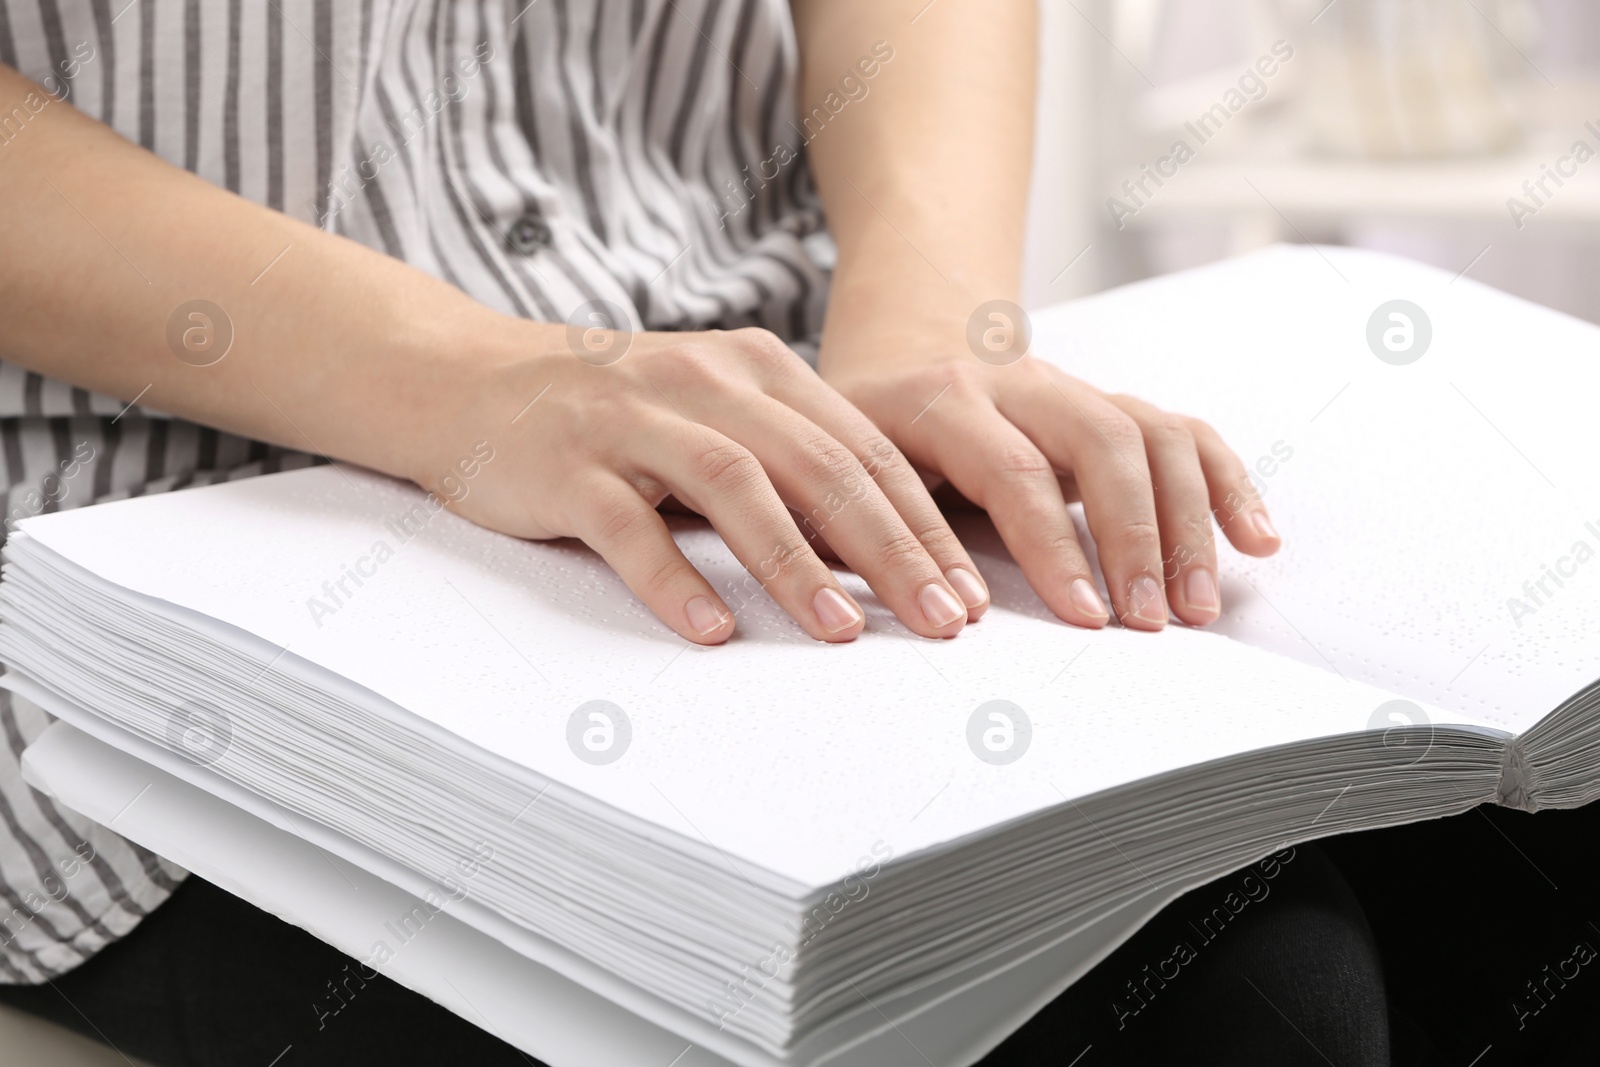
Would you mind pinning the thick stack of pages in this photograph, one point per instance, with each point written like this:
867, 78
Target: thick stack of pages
778, 849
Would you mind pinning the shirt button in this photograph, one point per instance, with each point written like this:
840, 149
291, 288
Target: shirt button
528, 235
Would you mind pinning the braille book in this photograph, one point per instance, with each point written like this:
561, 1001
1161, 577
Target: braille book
792, 853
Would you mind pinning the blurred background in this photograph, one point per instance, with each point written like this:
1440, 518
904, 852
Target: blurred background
1445, 130
1463, 133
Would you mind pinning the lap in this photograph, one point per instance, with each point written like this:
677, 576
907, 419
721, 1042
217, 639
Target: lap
1484, 919
1271, 964
209, 980
1282, 971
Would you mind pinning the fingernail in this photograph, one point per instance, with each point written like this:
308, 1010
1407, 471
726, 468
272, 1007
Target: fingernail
938, 606
967, 586
1200, 590
834, 612
704, 616
1087, 599
1145, 601
1263, 525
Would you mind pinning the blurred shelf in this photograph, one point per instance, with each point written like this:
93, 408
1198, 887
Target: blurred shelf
1261, 175
1318, 192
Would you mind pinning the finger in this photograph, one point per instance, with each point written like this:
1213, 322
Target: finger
818, 543
723, 481
825, 481
994, 465
1082, 432
1188, 543
631, 537
1234, 499
905, 489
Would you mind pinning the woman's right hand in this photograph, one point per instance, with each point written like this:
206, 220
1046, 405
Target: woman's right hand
588, 443
344, 351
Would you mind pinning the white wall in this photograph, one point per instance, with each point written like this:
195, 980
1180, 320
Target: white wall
1085, 82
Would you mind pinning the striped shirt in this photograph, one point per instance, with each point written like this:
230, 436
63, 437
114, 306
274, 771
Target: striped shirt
541, 155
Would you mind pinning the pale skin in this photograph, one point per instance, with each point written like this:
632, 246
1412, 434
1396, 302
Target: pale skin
925, 185
343, 351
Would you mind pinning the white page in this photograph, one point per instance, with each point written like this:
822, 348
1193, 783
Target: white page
778, 751
1418, 498
282, 871
294, 873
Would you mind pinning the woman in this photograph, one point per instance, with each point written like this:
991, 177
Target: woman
242, 234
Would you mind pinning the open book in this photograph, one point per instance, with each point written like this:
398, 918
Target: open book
787, 853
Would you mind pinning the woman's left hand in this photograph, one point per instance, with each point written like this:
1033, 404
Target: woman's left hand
1024, 439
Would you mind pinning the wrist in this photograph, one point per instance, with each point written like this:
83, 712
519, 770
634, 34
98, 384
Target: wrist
894, 308
459, 382
895, 329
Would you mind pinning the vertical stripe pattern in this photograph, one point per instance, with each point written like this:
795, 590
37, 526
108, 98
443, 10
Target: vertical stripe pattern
633, 138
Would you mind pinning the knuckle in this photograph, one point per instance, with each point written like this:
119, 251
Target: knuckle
1021, 464
937, 539
765, 347
663, 577
1171, 431
1042, 369
1117, 428
1062, 544
1132, 406
615, 519
1140, 534
900, 550
830, 462
727, 466
963, 379
880, 453
694, 364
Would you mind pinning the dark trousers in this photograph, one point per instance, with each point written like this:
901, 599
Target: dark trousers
1273, 964
1488, 924
1283, 971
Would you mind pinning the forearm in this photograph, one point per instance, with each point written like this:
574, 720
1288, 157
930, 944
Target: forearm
925, 179
336, 348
